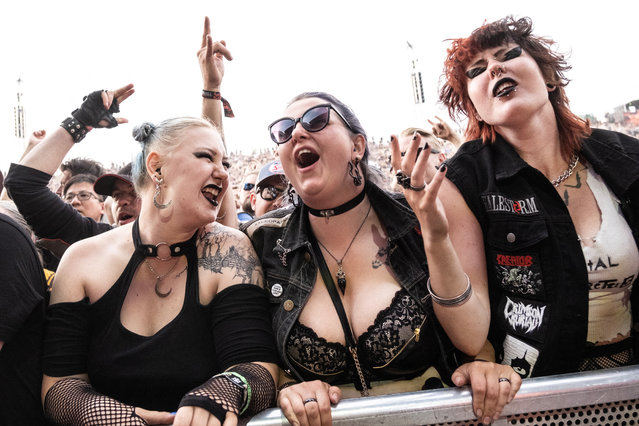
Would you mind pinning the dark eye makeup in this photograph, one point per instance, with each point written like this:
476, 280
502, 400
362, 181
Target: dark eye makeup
513, 53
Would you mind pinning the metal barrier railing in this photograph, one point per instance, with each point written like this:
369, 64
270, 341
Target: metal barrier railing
602, 397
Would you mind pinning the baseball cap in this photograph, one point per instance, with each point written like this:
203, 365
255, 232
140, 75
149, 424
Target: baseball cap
104, 184
274, 168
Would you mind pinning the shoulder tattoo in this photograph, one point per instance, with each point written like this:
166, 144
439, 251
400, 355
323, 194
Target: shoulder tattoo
221, 252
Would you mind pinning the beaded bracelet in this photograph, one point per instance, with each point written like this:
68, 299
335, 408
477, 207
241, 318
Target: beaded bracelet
453, 301
76, 129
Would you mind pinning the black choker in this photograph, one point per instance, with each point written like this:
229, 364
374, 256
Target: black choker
349, 205
161, 251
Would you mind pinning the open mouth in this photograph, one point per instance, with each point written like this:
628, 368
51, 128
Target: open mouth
305, 158
504, 87
211, 193
124, 218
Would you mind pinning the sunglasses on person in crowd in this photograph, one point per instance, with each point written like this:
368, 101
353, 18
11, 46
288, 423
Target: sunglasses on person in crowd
313, 120
248, 186
270, 192
82, 196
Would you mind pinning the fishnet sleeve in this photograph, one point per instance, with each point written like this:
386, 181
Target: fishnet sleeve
73, 401
242, 389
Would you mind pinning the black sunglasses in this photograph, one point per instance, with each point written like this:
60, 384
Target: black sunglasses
270, 192
313, 120
248, 186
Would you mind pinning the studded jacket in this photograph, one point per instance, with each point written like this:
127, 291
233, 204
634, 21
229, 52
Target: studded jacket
281, 241
537, 273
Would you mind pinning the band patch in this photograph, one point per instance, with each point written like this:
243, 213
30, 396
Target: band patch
520, 356
499, 203
519, 274
524, 318
271, 222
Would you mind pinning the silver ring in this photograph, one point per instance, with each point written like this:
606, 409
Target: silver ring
504, 379
307, 400
416, 188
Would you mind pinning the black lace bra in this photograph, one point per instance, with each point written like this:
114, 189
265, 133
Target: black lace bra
399, 344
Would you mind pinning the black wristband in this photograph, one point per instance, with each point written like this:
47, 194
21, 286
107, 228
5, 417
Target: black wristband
208, 404
76, 129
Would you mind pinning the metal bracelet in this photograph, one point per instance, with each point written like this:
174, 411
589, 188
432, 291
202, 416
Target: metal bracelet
453, 301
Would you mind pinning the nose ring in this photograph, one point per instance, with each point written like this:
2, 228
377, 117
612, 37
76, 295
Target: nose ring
498, 72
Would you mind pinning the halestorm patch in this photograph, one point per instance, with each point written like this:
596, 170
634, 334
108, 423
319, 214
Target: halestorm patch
519, 274
499, 203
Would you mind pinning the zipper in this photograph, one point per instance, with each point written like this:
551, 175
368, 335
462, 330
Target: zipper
417, 330
364, 391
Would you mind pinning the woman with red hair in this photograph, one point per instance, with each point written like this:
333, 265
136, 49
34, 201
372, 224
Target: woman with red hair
543, 195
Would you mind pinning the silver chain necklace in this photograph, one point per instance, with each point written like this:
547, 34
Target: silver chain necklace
159, 278
568, 172
341, 275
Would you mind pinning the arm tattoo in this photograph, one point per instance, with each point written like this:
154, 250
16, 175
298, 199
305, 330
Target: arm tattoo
219, 251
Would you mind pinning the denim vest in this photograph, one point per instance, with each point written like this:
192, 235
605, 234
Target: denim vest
281, 241
537, 273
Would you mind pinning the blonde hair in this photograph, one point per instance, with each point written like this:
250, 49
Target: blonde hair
162, 138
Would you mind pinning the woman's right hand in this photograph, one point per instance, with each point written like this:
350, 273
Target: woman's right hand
309, 403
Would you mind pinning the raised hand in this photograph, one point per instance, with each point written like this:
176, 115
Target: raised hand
211, 58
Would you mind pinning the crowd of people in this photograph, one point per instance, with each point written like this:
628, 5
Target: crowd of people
193, 286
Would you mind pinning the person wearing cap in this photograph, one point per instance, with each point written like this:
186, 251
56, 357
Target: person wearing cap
270, 187
119, 186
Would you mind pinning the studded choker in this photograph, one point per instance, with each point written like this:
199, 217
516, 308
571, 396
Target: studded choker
349, 205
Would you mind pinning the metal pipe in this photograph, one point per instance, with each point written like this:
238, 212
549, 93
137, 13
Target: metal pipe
455, 404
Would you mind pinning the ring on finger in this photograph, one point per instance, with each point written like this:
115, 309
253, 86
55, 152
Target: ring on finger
403, 179
504, 379
307, 400
416, 188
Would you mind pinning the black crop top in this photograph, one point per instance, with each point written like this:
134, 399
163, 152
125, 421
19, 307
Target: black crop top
154, 372
399, 344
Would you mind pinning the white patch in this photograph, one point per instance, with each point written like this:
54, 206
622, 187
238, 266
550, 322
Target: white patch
527, 318
520, 356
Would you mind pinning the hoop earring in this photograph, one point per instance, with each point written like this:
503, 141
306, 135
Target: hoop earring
353, 171
292, 195
158, 182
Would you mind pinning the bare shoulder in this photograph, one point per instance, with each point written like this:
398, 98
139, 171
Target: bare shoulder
92, 265
227, 253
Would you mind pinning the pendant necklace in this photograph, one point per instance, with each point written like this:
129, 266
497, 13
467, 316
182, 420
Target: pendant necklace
568, 172
159, 278
341, 275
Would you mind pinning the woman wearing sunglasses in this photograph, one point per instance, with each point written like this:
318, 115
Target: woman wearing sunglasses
346, 272
552, 204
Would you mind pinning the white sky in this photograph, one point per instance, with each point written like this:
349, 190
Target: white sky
353, 49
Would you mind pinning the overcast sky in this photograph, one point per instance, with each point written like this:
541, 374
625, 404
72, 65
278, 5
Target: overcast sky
355, 50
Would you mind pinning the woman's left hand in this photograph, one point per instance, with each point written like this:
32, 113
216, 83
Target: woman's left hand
422, 197
493, 386
196, 416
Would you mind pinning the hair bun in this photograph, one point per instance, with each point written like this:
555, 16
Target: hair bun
142, 132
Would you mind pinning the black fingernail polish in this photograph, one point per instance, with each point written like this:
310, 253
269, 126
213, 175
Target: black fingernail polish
442, 168
426, 145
